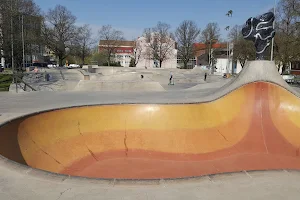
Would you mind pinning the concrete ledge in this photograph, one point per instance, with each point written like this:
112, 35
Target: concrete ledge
85, 75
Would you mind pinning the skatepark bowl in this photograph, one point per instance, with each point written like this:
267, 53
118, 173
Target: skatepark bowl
255, 127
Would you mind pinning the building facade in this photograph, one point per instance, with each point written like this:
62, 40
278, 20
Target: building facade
146, 60
294, 68
123, 50
220, 57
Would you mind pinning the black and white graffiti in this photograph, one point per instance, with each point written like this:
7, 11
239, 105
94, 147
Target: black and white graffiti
260, 30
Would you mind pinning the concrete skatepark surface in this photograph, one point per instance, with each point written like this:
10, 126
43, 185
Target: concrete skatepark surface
118, 79
60, 80
118, 86
205, 138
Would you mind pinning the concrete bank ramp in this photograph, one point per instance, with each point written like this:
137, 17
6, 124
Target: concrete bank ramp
254, 127
96, 85
197, 70
108, 70
129, 76
213, 85
256, 71
252, 123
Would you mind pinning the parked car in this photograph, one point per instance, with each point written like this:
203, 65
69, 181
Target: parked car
73, 66
289, 78
51, 65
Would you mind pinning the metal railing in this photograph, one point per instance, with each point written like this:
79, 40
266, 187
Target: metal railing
18, 79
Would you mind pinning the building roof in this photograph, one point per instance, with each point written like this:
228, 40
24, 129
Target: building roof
200, 46
118, 43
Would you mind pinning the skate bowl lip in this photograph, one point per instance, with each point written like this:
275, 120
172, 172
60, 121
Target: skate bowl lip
59, 178
46, 175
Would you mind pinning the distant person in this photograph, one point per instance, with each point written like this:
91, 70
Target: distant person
205, 76
36, 70
171, 78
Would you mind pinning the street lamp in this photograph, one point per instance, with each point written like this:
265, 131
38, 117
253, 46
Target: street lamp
12, 37
23, 42
272, 48
210, 55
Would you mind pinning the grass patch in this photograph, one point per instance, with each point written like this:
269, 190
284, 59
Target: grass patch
5, 81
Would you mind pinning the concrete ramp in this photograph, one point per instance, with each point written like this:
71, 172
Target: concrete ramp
129, 76
205, 86
255, 127
197, 70
108, 70
95, 85
253, 123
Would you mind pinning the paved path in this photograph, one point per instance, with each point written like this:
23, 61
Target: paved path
33, 185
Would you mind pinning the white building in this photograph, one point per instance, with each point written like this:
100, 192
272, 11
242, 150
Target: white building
222, 62
146, 60
123, 51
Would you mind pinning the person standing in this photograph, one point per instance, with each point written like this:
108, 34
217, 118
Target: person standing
171, 78
205, 76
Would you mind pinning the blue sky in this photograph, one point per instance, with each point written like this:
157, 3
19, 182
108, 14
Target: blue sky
132, 16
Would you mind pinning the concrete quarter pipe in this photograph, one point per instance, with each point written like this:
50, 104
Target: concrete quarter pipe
255, 126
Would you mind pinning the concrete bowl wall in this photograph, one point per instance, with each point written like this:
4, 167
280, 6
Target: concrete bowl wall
145, 141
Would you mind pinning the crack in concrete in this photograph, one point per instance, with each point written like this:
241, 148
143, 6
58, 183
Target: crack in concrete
223, 136
94, 156
79, 130
261, 119
125, 140
63, 193
91, 152
43, 150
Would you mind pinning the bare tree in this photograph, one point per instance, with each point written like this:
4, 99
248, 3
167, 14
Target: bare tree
84, 42
209, 36
235, 33
186, 35
137, 53
19, 11
110, 39
243, 50
211, 32
287, 43
160, 43
59, 31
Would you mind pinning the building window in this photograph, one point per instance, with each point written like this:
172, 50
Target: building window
295, 66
